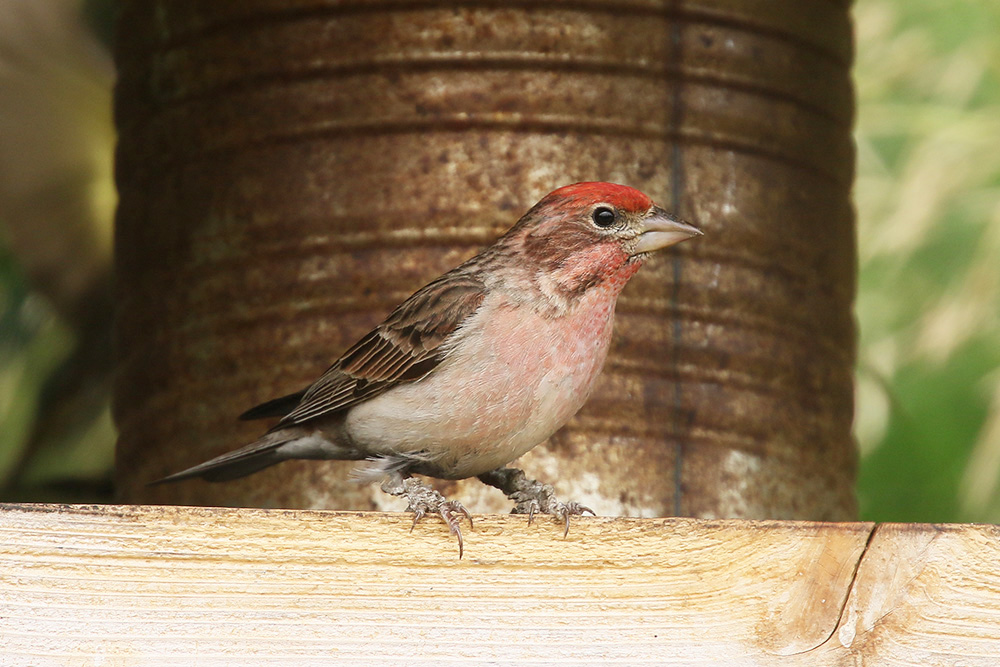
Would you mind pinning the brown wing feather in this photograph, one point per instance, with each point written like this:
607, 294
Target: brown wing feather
404, 348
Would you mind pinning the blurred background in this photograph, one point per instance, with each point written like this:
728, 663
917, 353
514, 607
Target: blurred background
928, 200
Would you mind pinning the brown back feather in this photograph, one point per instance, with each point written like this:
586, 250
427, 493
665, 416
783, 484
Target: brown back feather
404, 348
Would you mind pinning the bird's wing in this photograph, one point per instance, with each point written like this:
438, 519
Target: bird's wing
276, 407
404, 348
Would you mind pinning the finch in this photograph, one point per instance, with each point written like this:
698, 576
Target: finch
477, 367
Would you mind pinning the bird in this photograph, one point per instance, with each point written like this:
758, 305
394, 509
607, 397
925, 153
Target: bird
477, 367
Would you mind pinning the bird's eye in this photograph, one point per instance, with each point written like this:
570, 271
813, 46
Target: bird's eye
604, 216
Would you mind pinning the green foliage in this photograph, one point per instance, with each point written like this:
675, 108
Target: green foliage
31, 346
928, 196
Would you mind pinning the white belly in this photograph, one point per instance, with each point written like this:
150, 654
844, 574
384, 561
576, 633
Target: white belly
512, 381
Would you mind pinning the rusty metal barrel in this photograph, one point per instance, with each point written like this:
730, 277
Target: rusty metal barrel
289, 171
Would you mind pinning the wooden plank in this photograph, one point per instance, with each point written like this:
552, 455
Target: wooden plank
140, 585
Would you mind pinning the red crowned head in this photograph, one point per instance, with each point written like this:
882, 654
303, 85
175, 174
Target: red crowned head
583, 234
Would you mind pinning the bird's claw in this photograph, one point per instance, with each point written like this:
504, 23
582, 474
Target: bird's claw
423, 500
531, 497
451, 512
572, 508
418, 514
548, 504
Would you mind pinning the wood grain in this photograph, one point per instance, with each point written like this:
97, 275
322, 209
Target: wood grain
148, 585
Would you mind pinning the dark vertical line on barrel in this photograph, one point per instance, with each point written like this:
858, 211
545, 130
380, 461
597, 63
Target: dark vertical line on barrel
676, 189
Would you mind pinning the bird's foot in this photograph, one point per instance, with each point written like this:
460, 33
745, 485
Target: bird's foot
423, 500
549, 504
532, 497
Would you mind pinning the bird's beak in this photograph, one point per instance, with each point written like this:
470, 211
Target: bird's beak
660, 229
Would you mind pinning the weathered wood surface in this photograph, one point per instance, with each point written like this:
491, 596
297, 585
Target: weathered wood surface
143, 585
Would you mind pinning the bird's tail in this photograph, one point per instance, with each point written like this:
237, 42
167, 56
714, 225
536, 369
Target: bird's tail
256, 456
